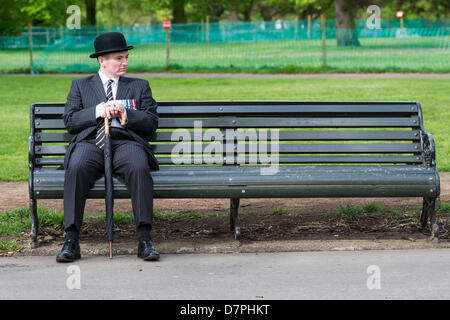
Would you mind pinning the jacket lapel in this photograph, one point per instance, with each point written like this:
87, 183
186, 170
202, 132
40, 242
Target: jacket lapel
122, 89
98, 88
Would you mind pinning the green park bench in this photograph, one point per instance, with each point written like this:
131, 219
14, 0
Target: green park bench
264, 149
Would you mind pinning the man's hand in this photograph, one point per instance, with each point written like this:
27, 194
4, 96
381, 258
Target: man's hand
112, 109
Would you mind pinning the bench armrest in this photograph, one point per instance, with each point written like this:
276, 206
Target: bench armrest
429, 149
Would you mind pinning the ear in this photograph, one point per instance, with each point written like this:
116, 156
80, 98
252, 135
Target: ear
100, 60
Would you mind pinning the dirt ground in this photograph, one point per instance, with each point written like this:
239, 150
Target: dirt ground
259, 219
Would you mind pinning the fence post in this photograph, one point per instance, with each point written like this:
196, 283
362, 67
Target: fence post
324, 41
308, 32
30, 46
207, 29
167, 48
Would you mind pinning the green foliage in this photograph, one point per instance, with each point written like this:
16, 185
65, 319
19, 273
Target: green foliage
14, 14
14, 222
172, 214
348, 212
373, 208
9, 245
279, 211
445, 207
395, 214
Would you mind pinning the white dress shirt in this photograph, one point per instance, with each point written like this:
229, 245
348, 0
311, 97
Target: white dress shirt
98, 109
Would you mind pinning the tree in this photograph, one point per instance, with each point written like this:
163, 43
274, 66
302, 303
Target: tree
179, 11
90, 12
345, 11
424, 8
11, 19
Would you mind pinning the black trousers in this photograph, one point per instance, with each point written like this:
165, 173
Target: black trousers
86, 165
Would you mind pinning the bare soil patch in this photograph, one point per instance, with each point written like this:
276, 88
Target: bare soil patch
260, 219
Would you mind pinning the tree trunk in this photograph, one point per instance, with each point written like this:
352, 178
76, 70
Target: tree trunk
178, 11
345, 24
267, 12
247, 10
90, 12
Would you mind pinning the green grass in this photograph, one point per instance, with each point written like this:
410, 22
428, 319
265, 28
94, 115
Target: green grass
349, 212
373, 208
9, 245
395, 214
19, 91
172, 214
445, 207
14, 222
278, 211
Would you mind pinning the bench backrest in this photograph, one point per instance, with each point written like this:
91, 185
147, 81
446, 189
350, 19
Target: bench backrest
261, 132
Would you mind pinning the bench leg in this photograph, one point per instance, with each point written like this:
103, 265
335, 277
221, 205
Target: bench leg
34, 223
429, 212
234, 220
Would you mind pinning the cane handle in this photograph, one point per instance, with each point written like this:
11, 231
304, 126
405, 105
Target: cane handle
123, 119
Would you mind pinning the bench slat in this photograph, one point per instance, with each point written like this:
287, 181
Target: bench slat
335, 148
302, 148
260, 191
262, 122
270, 122
386, 181
281, 160
238, 108
283, 136
275, 109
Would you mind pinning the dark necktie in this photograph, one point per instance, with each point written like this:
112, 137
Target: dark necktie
99, 139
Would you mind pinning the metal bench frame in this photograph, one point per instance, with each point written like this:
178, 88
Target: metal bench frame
400, 164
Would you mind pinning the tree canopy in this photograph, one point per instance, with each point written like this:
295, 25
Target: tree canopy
15, 14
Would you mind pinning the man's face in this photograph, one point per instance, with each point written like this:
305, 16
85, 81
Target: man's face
114, 64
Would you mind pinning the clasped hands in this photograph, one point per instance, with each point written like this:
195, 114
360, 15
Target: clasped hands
112, 109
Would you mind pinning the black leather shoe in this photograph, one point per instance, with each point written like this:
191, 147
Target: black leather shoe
69, 252
147, 251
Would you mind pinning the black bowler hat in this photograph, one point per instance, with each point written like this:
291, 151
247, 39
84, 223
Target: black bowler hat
110, 42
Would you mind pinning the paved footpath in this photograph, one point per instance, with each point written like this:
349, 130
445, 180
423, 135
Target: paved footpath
375, 274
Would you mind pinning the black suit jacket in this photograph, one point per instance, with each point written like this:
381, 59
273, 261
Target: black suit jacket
86, 93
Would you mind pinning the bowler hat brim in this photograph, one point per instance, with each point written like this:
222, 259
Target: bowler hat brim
100, 53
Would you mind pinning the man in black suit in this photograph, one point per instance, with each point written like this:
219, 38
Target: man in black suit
90, 100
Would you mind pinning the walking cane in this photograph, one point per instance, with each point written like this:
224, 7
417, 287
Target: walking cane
109, 187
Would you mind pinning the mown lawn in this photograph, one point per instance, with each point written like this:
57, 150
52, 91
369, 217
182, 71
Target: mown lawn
17, 92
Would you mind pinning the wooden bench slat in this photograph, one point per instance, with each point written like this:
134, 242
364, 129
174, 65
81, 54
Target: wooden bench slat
271, 122
259, 191
262, 122
302, 148
334, 148
281, 160
331, 135
257, 107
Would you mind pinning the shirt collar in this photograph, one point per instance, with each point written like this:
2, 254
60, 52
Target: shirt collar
105, 79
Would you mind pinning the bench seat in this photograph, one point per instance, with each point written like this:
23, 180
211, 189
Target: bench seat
267, 149
247, 182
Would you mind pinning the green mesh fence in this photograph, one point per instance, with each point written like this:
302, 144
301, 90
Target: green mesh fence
280, 46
